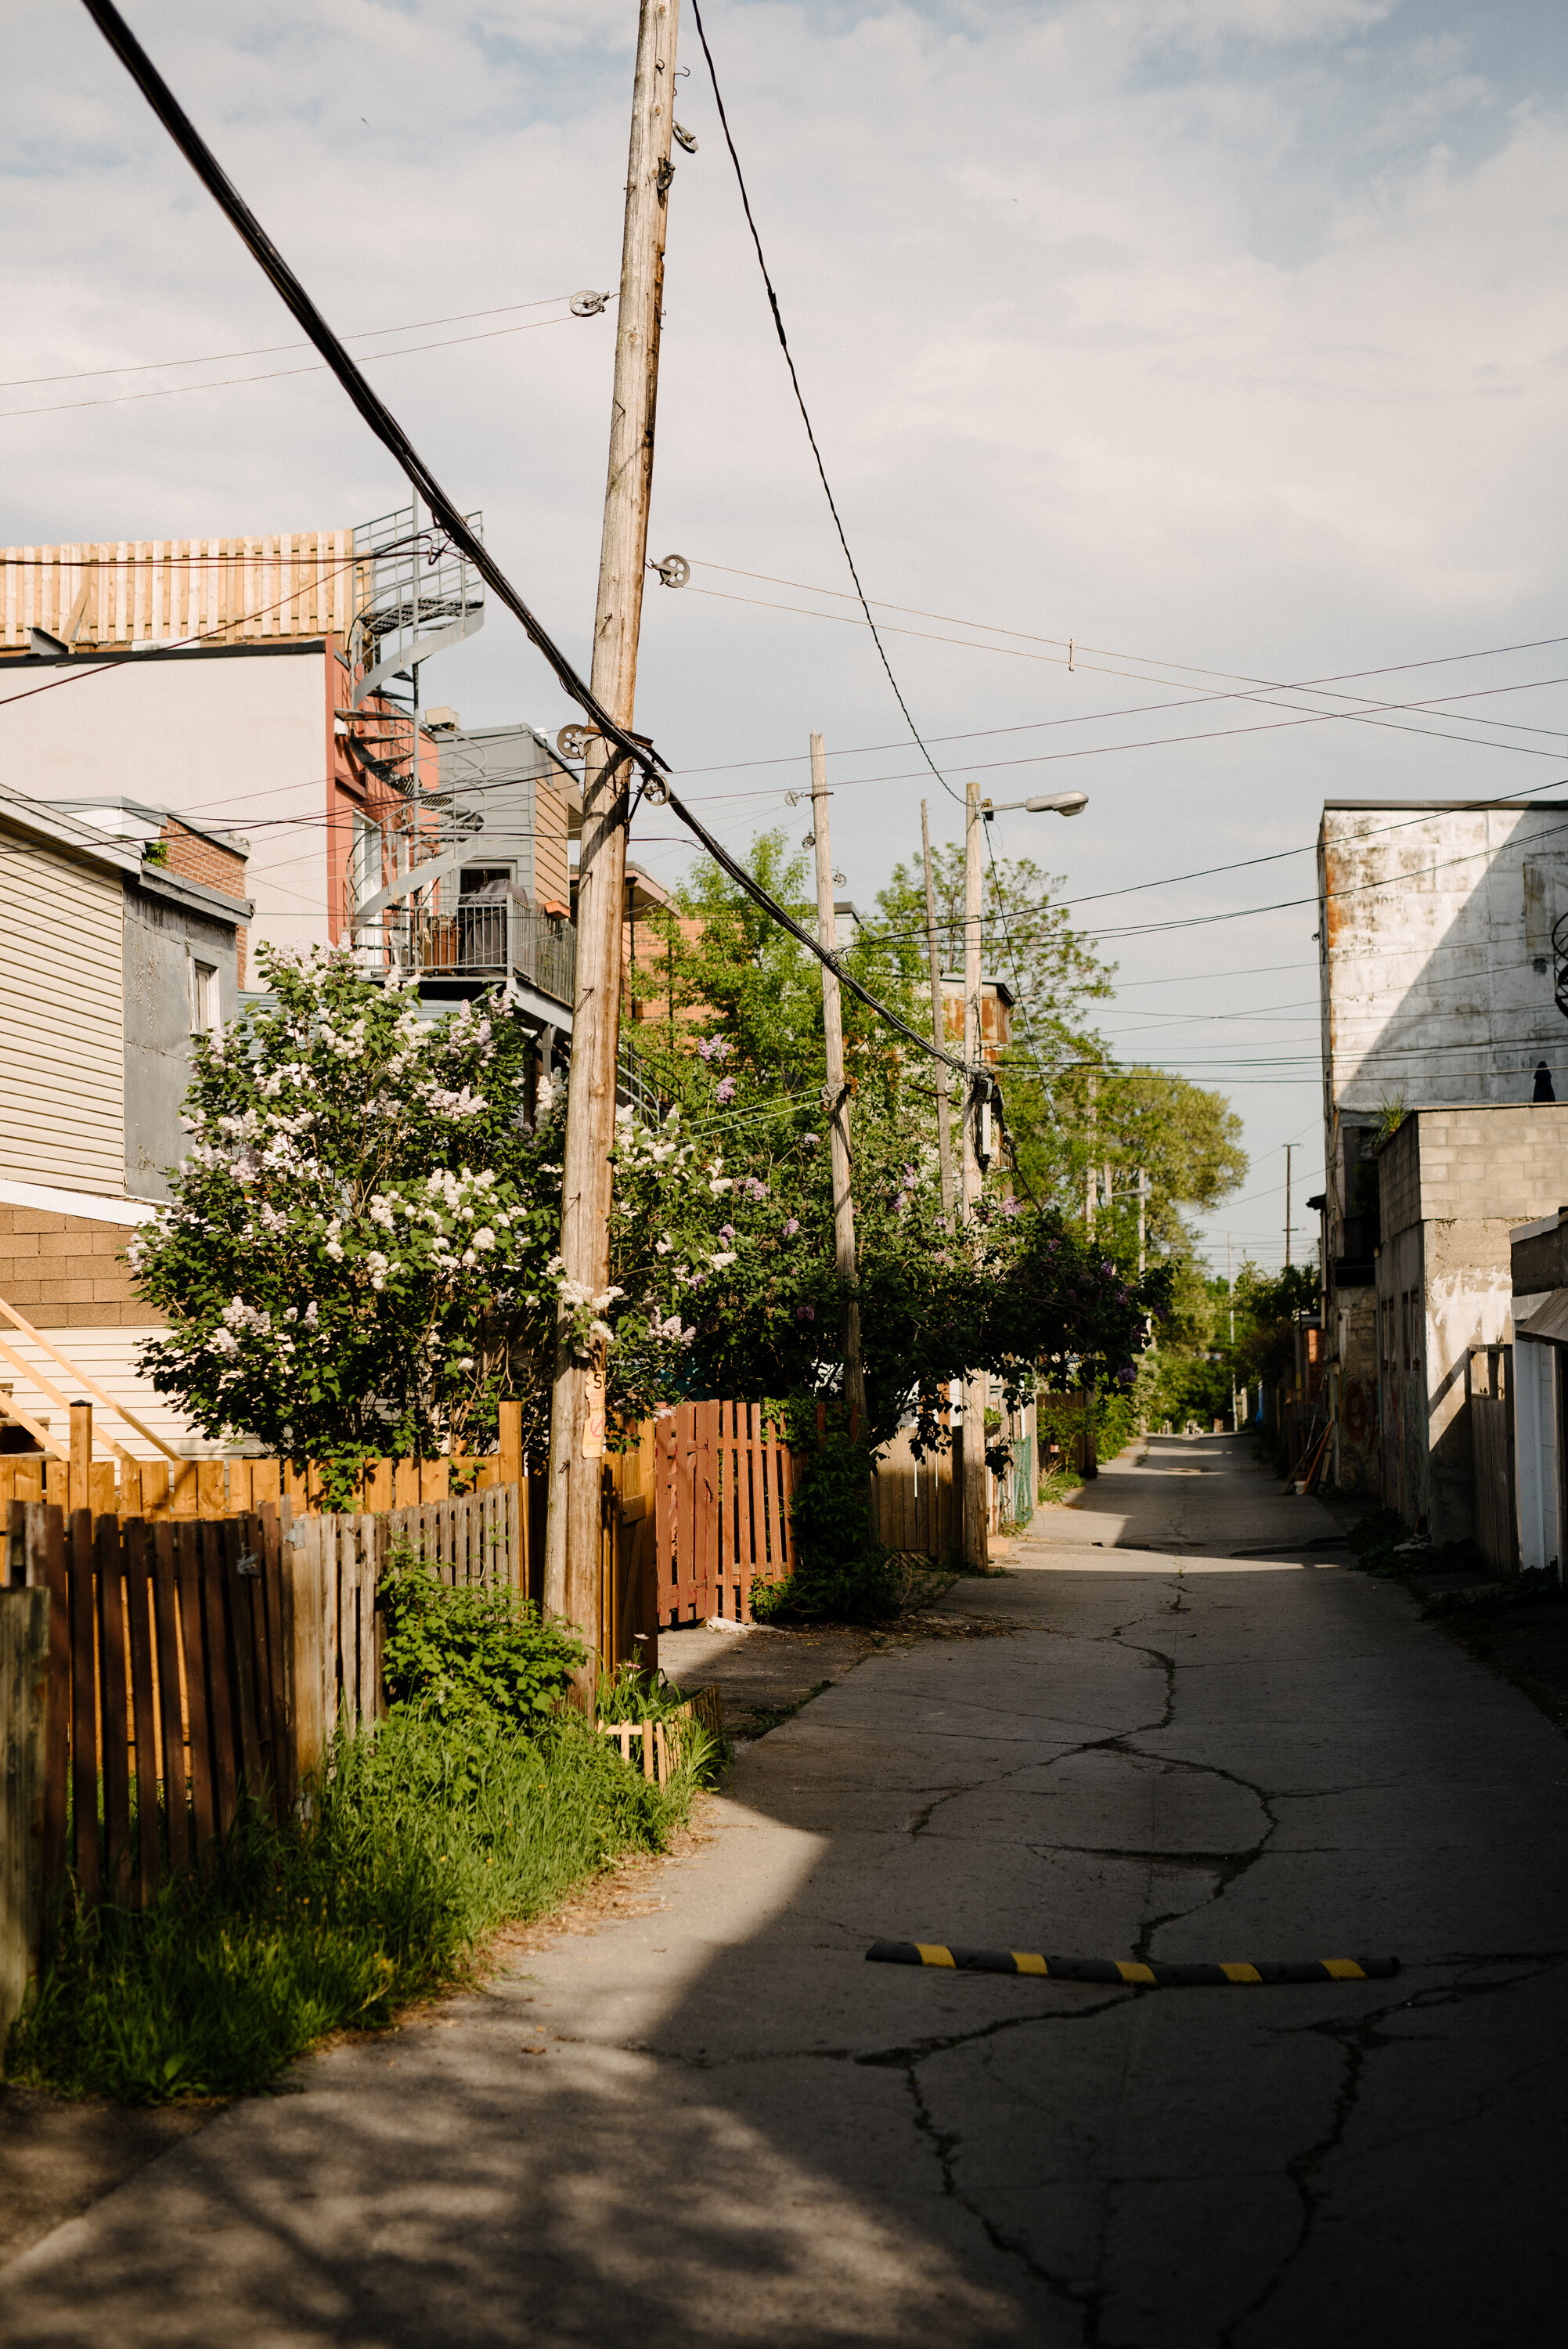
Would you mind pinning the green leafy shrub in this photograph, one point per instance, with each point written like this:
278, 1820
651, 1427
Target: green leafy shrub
478, 1647
840, 1570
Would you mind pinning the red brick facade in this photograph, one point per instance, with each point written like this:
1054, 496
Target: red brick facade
195, 857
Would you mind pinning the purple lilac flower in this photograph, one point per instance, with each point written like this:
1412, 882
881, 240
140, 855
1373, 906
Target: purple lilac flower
805, 1313
726, 1231
791, 1228
726, 1093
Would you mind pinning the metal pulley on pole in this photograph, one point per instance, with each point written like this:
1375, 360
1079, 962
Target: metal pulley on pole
577, 1422
838, 1093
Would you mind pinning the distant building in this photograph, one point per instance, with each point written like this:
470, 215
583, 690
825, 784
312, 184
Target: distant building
995, 1014
1438, 977
120, 940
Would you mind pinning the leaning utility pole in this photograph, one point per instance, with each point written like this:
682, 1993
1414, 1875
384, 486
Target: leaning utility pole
577, 1412
1091, 1179
975, 1511
938, 1028
838, 1095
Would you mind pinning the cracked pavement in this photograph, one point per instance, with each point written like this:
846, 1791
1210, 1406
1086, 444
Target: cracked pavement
710, 2121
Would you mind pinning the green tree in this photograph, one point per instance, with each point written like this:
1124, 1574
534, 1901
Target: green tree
359, 1255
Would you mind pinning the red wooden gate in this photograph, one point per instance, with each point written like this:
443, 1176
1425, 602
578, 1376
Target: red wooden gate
722, 1486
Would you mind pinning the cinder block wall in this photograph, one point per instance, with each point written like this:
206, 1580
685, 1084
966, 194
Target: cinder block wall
1455, 1180
67, 1272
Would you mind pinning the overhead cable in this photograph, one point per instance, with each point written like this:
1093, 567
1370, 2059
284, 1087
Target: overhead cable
805, 412
390, 434
274, 350
374, 410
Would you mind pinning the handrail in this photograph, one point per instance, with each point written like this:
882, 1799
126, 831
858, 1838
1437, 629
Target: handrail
39, 1433
46, 1386
93, 1389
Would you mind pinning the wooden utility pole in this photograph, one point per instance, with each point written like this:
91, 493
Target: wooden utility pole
938, 1028
975, 1511
1091, 1180
577, 1421
1289, 1146
838, 1091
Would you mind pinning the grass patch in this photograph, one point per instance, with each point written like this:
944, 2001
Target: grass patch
419, 1839
1055, 1485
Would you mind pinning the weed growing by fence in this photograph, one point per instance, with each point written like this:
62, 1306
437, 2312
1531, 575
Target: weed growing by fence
419, 1839
478, 1647
840, 1569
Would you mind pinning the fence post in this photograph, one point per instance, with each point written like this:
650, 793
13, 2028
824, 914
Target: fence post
24, 1710
81, 1467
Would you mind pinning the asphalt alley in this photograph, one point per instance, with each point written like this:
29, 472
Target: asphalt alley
711, 2122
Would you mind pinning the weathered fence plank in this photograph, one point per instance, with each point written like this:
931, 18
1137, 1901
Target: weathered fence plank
24, 1640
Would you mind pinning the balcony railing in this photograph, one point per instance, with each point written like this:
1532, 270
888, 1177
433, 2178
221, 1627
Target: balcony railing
488, 937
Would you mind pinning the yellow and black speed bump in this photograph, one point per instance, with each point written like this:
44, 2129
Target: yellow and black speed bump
1200, 1976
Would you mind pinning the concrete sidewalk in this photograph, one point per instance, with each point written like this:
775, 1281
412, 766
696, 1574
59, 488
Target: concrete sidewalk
711, 2122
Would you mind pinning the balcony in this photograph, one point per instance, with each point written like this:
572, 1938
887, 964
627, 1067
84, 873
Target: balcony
495, 937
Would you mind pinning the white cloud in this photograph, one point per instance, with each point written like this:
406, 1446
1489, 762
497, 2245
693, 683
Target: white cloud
1225, 331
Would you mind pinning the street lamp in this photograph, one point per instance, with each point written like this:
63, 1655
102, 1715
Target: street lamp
979, 812
1047, 803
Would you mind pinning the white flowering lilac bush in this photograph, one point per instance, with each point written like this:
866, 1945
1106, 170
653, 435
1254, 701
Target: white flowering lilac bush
360, 1254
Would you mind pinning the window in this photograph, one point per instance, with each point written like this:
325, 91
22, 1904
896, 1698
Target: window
206, 1018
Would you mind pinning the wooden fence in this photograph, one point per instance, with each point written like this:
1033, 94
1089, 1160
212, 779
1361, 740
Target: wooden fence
917, 1505
156, 1489
722, 1481
170, 1671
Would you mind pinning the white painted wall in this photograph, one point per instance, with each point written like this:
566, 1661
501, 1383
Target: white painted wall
1436, 952
231, 738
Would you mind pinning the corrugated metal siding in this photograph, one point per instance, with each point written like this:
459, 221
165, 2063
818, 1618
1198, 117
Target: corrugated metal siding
62, 1027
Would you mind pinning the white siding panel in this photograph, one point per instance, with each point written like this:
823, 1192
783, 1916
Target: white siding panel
109, 1357
62, 1021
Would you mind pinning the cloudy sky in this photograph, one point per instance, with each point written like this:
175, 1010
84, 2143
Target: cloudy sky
1225, 337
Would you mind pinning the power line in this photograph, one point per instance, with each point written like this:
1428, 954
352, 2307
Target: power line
639, 755
1259, 696
275, 375
1073, 647
805, 413
274, 351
